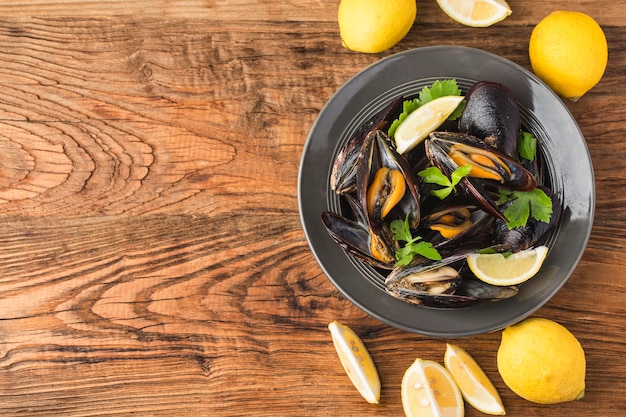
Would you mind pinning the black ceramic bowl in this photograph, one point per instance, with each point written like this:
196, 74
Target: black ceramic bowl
543, 114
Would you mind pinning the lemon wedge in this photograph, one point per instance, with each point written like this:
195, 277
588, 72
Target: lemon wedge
421, 122
476, 13
428, 390
496, 269
475, 385
356, 361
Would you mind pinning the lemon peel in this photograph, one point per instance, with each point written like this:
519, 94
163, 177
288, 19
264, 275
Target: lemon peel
428, 390
541, 361
496, 269
569, 52
373, 26
476, 13
475, 386
356, 361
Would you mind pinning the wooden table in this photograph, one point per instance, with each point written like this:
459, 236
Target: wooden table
152, 258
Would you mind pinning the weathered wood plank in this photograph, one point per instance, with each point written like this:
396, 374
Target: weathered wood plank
152, 258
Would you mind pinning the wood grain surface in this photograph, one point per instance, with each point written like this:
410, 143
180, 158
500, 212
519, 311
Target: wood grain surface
152, 260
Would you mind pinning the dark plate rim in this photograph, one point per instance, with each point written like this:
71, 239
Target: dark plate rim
437, 62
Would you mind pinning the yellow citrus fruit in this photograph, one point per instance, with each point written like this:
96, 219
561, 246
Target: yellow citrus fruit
475, 385
541, 361
496, 269
569, 52
374, 26
424, 120
356, 361
476, 13
428, 390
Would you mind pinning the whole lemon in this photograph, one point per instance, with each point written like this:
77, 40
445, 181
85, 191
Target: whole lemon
373, 26
569, 52
541, 361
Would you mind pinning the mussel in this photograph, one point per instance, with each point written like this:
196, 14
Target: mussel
386, 183
386, 189
490, 168
449, 222
343, 173
355, 236
491, 113
455, 223
532, 234
447, 283
424, 280
468, 291
449, 150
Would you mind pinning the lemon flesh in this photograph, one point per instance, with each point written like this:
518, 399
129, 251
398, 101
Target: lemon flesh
356, 361
423, 121
569, 52
476, 387
496, 269
541, 361
373, 26
476, 13
428, 390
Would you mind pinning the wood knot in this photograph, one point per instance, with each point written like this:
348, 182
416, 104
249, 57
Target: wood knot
145, 70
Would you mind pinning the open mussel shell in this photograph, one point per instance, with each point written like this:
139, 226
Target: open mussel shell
444, 284
355, 236
344, 168
448, 150
490, 168
458, 223
356, 239
425, 278
424, 287
469, 291
377, 155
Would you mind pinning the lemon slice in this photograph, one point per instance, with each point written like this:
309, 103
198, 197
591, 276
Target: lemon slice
356, 361
421, 122
476, 13
475, 385
428, 390
495, 269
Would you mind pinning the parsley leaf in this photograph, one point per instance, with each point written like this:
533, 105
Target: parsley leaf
442, 89
524, 204
408, 106
401, 230
433, 175
459, 173
527, 146
439, 89
429, 93
413, 246
490, 250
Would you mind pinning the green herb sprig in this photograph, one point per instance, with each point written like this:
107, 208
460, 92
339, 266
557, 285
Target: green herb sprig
413, 245
535, 203
433, 175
